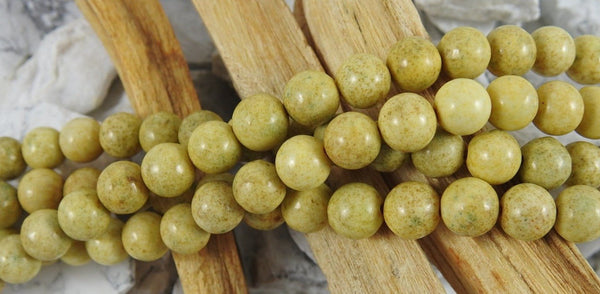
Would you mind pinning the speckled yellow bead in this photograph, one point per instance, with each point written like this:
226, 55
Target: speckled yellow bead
107, 249
407, 122
414, 63
141, 236
192, 121
79, 139
157, 128
388, 159
560, 108
528, 212
257, 188
586, 67
513, 51
546, 162
121, 189
214, 208
363, 80
213, 147
306, 211
311, 97
162, 204
81, 215
10, 209
463, 106
260, 122
514, 102
301, 163
16, 266
465, 53
494, 156
469, 207
585, 164
264, 221
119, 135
354, 211
590, 123
167, 170
179, 231
444, 155
352, 140
41, 149
412, 210
40, 188
11, 159
578, 217
555, 50
42, 237
76, 255
81, 178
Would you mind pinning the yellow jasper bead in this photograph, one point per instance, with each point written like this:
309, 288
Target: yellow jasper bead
469, 207
11, 159
107, 249
363, 80
40, 188
81, 178
414, 63
407, 122
494, 156
167, 170
213, 147
528, 212
257, 188
260, 122
41, 149
192, 121
586, 67
79, 139
412, 210
354, 211
514, 102
465, 53
585, 163
42, 237
555, 50
76, 255
306, 211
301, 163
560, 108
546, 162
10, 209
388, 159
264, 221
121, 189
214, 208
179, 231
81, 215
590, 123
157, 128
513, 51
578, 217
119, 135
141, 236
311, 97
444, 155
16, 266
463, 106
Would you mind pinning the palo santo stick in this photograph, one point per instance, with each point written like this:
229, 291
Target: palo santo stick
491, 263
263, 47
150, 63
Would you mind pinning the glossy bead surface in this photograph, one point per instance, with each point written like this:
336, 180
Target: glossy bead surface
214, 208
463, 106
141, 237
414, 63
514, 102
513, 51
179, 231
121, 188
79, 139
388, 159
10, 209
590, 123
11, 159
301, 163
16, 266
555, 50
442, 157
213, 147
76, 255
42, 236
107, 249
119, 135
40, 188
528, 212
311, 97
81, 178
306, 211
412, 210
264, 221
586, 67
41, 149
257, 188
363, 80
585, 164
157, 128
354, 211
546, 162
260, 122
81, 215
465, 52
494, 156
192, 121
578, 217
167, 170
560, 108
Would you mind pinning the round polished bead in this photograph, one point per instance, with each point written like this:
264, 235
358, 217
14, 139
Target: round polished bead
585, 164
81, 215
213, 147
141, 237
586, 67
10, 209
306, 211
412, 210
513, 51
41, 149
79, 139
167, 170
388, 159
40, 188
257, 188
121, 189
555, 50
590, 123
494, 156
407, 122
363, 80
264, 221
260, 122
528, 212
354, 211
311, 97
560, 108
578, 217
463, 106
107, 249
546, 162
414, 63
514, 102
444, 155
157, 128
465, 53
81, 178
119, 135
192, 121
469, 207
301, 163
11, 159
214, 208
179, 231
16, 266
42, 236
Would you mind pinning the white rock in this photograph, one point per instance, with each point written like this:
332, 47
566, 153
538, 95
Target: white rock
578, 17
18, 36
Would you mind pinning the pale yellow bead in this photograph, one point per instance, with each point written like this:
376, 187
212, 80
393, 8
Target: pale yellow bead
264, 221
180, 233
414, 63
11, 159
528, 212
40, 188
555, 50
513, 51
119, 135
546, 162
585, 163
465, 53
141, 237
306, 211
311, 97
107, 249
77, 254
494, 156
560, 108
213, 147
214, 208
81, 215
363, 80
167, 170
81, 178
41, 149
301, 163
79, 139
157, 128
388, 159
412, 210
586, 67
444, 155
16, 266
121, 188
463, 106
42, 236
257, 188
354, 211
578, 217
590, 123
514, 102
192, 121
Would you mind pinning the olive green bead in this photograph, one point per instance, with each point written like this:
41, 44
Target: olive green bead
79, 139
179, 231
76, 255
514, 102
465, 52
469, 207
213, 147
388, 159
81, 178
119, 135
585, 164
306, 211
442, 157
578, 217
141, 237
81, 215
555, 50
264, 221
513, 51
407, 122
107, 249
121, 188
192, 121
42, 236
11, 159
546, 162
363, 80
412, 210
16, 266
260, 122
301, 163
40, 188
257, 188
41, 148
560, 108
162, 204
354, 211
590, 123
157, 128
528, 212
586, 67
214, 208
311, 97
167, 170
10, 209
352, 140
414, 63
463, 106
494, 156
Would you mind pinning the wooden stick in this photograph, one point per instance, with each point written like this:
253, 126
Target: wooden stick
150, 63
491, 263
262, 47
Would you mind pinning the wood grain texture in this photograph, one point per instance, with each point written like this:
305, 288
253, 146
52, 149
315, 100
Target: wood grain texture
150, 63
